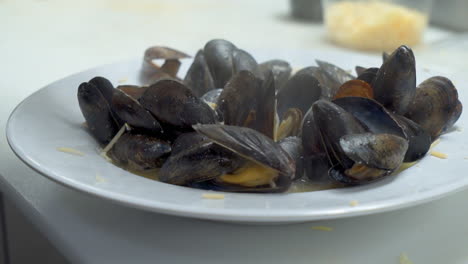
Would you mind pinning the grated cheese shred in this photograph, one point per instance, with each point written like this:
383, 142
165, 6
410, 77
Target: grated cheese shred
439, 155
213, 196
70, 151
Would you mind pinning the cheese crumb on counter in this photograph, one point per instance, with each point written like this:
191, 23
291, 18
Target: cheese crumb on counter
353, 203
404, 259
322, 228
213, 196
439, 155
70, 151
374, 25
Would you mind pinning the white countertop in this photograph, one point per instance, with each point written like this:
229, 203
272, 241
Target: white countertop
45, 40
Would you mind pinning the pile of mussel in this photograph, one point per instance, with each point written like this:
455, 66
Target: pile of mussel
233, 124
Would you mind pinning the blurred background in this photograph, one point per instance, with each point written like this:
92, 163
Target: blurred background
44, 40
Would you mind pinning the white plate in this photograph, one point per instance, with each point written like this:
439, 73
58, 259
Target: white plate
51, 118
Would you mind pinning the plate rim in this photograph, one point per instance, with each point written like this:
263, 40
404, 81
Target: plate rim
227, 214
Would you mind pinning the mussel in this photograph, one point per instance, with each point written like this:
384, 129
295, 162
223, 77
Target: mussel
235, 125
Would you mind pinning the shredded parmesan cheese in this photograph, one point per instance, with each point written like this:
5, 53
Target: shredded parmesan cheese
459, 129
71, 151
435, 143
404, 259
322, 228
213, 196
353, 203
100, 179
124, 80
374, 25
439, 155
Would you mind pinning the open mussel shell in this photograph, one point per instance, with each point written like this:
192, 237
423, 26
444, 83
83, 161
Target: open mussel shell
378, 120
218, 55
290, 125
269, 167
281, 71
300, 92
211, 97
251, 145
372, 115
151, 71
139, 152
331, 78
196, 159
374, 156
97, 113
436, 106
357, 88
249, 102
334, 122
395, 83
171, 102
131, 112
198, 77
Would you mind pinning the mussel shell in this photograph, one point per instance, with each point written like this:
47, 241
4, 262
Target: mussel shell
312, 142
380, 151
334, 122
395, 83
139, 152
316, 162
316, 167
368, 75
300, 92
453, 117
359, 70
131, 112
375, 156
250, 102
218, 56
171, 102
281, 71
435, 106
211, 97
97, 113
198, 77
293, 146
243, 61
419, 140
104, 86
357, 88
332, 78
373, 115
133, 91
197, 159
290, 125
251, 145
152, 72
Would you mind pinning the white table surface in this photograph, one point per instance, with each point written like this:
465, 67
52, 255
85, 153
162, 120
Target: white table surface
45, 40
